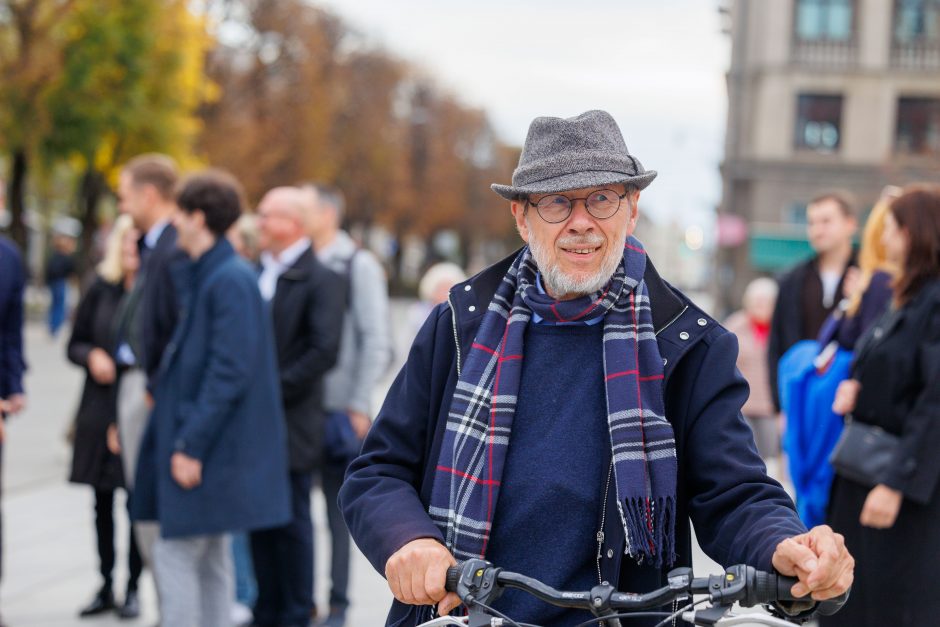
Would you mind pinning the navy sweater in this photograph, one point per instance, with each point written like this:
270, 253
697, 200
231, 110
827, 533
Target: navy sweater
560, 450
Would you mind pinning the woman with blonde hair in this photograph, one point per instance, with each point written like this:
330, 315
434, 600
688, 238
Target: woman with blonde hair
868, 289
95, 462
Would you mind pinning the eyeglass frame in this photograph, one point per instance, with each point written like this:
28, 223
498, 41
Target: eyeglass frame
571, 201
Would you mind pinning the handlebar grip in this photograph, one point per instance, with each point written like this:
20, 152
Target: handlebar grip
453, 576
769, 587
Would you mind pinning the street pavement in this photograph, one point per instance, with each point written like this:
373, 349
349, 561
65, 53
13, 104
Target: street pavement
50, 563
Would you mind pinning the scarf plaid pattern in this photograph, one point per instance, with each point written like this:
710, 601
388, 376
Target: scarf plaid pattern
479, 423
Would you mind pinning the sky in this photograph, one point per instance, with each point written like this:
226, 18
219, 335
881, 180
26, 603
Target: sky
658, 66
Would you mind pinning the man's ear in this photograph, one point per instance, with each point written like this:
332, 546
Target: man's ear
634, 206
518, 209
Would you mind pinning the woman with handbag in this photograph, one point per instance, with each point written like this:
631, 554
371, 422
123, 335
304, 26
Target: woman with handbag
95, 459
889, 511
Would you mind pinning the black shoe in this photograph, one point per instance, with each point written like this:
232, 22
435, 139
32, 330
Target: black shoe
103, 602
131, 607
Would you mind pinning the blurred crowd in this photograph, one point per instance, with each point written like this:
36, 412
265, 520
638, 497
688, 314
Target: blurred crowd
842, 354
231, 351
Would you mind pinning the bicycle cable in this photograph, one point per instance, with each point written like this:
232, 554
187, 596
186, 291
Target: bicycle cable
679, 612
510, 622
599, 619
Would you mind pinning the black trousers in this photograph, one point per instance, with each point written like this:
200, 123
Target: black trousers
283, 559
104, 527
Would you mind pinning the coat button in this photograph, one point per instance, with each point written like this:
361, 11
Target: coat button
610, 553
472, 308
702, 322
683, 336
665, 361
466, 288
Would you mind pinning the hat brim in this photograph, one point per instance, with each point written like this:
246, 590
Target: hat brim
577, 180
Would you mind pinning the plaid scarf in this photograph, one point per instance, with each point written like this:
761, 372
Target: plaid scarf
479, 423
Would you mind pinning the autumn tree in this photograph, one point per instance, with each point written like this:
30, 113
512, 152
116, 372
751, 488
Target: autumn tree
131, 82
30, 60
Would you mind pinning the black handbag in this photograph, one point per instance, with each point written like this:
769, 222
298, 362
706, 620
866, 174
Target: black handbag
864, 453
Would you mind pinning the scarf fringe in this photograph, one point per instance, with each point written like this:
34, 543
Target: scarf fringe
651, 533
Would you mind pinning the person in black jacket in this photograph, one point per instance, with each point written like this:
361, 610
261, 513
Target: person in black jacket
810, 291
95, 460
894, 527
307, 303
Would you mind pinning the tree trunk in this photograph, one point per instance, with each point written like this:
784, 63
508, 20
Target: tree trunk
16, 197
90, 190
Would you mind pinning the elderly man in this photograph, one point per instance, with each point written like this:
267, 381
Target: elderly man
567, 412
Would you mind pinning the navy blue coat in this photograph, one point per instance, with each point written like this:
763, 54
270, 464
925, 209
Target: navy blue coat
740, 514
12, 284
218, 400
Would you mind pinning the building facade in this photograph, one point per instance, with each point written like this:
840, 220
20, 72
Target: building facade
822, 94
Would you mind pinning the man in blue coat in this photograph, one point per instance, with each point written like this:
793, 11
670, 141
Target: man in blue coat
214, 457
567, 412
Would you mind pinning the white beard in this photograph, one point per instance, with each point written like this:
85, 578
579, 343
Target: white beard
556, 282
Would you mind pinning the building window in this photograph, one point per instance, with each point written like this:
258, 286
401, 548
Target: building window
916, 21
824, 20
918, 130
818, 122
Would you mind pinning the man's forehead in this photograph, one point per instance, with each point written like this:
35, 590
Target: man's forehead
620, 188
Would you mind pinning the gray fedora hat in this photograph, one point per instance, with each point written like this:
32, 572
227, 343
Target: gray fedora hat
571, 153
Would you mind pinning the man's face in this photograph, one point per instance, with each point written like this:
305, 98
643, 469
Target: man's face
136, 201
828, 227
578, 255
189, 227
280, 218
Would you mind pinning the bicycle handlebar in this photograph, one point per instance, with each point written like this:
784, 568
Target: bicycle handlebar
480, 581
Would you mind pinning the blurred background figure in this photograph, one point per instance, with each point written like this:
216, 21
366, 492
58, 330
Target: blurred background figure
364, 356
812, 370
306, 302
59, 269
893, 523
12, 365
95, 459
810, 291
244, 237
752, 327
867, 289
433, 289
213, 459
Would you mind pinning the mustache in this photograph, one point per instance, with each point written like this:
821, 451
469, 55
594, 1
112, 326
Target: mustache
585, 241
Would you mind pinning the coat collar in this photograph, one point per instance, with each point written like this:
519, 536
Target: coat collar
301, 268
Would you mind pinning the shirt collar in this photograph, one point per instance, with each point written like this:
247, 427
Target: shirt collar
153, 235
288, 256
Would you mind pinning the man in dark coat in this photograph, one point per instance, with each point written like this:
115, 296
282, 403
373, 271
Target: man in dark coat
812, 290
12, 365
214, 457
147, 315
566, 368
307, 302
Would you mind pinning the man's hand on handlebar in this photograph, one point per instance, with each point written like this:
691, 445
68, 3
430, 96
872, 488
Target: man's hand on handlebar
416, 573
819, 560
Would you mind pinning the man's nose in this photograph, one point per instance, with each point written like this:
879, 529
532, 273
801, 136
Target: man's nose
580, 219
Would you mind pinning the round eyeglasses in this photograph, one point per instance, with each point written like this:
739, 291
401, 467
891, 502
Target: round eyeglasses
555, 208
